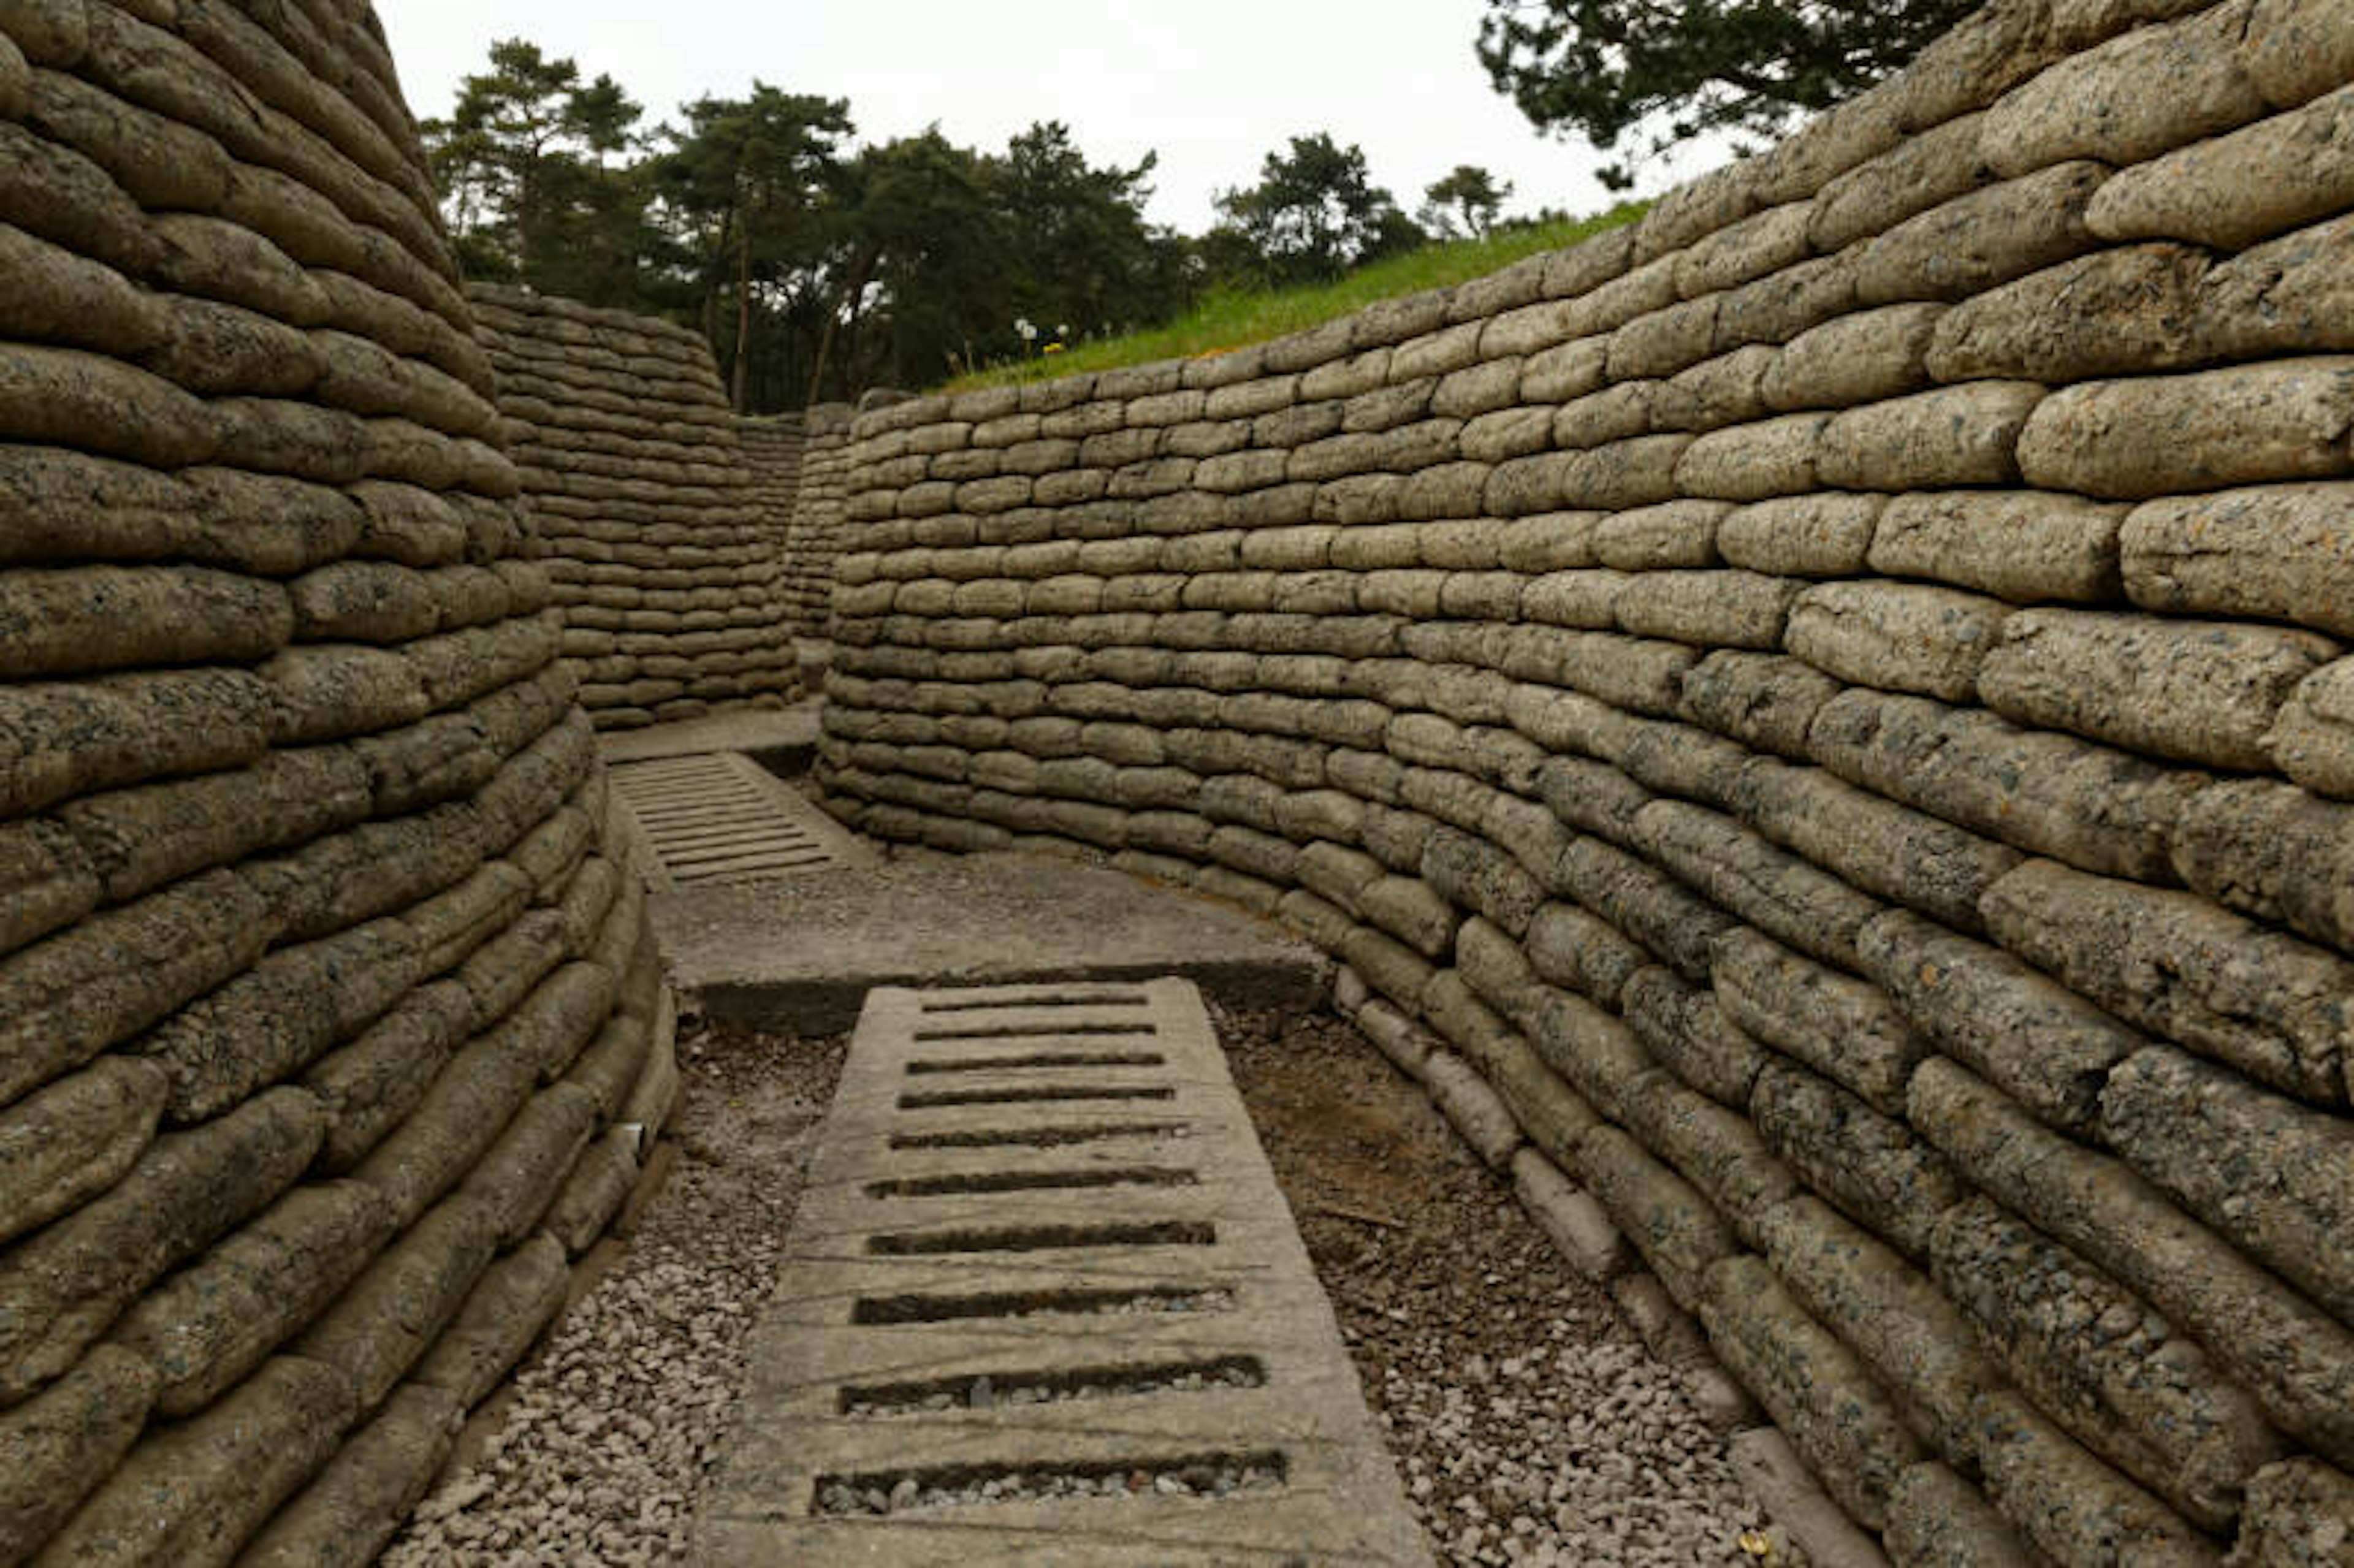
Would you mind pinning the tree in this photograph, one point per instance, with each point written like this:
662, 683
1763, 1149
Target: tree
1316, 213
1601, 67
745, 181
1078, 249
812, 271
941, 250
530, 192
925, 253
1464, 204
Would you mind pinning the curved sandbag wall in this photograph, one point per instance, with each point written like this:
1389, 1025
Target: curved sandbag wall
1834, 703
329, 1029
819, 531
664, 574
772, 445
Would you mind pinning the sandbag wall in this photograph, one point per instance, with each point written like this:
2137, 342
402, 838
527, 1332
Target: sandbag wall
819, 531
329, 1028
665, 576
772, 446
1834, 701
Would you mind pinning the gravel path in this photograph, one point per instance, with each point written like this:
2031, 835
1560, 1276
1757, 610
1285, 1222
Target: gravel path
617, 1417
1530, 1425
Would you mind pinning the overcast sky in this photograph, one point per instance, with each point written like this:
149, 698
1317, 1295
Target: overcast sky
1211, 85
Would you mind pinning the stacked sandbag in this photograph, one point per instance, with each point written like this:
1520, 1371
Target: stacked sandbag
820, 528
329, 1026
772, 446
663, 572
1832, 704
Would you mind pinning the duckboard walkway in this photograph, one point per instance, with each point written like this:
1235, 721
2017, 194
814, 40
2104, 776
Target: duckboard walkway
717, 817
1044, 1304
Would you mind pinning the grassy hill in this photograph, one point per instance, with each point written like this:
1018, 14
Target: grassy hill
1232, 318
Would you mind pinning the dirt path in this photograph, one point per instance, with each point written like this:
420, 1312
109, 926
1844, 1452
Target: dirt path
1529, 1422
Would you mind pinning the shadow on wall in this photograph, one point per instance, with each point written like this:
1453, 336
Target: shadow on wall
329, 1029
1832, 702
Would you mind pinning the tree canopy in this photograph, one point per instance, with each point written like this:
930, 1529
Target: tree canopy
816, 266
813, 268
524, 165
1314, 214
1464, 204
1076, 241
744, 186
1678, 68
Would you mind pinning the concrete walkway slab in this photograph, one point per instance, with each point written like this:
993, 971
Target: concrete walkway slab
719, 817
802, 956
1043, 1304
760, 732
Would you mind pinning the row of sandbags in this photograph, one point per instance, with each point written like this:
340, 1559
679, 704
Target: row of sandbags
1829, 703
667, 577
330, 1029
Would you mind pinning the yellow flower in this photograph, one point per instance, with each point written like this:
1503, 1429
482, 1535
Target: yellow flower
1053, 348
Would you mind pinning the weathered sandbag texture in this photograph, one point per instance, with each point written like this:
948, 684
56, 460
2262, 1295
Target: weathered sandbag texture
807, 508
1833, 701
772, 446
326, 993
663, 571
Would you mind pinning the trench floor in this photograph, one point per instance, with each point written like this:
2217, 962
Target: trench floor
1043, 1301
1042, 1304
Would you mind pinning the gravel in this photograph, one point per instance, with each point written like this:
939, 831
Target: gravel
615, 1420
1213, 1476
1529, 1423
1052, 1388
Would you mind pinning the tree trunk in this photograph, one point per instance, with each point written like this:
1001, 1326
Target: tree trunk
743, 313
526, 269
850, 290
714, 285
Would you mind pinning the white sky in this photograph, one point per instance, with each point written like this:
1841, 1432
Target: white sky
1212, 85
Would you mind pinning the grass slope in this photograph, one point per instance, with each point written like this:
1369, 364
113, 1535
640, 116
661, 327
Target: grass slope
1233, 318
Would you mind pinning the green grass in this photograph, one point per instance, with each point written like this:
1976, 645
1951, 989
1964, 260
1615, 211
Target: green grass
1233, 318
